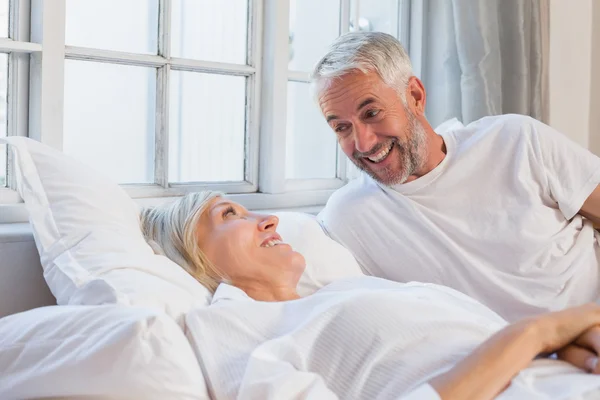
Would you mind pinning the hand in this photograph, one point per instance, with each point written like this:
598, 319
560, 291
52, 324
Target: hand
560, 329
490, 368
584, 351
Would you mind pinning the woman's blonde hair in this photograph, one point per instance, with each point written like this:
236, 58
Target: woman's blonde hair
170, 229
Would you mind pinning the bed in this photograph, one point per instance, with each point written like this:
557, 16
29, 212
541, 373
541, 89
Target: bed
22, 285
121, 330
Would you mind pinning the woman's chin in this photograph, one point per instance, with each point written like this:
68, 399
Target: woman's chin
283, 257
295, 261
299, 262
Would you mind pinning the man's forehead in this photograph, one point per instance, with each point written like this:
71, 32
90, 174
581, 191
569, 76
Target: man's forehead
345, 102
349, 88
349, 80
351, 106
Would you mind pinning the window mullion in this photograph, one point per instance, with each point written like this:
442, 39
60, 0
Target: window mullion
274, 96
345, 8
404, 23
20, 20
161, 139
164, 29
46, 108
18, 87
253, 93
418, 36
344, 16
161, 143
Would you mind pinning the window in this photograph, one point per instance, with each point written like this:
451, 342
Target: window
172, 96
3, 115
14, 83
311, 148
4, 23
171, 89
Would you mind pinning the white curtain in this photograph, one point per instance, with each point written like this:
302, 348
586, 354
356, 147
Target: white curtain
484, 57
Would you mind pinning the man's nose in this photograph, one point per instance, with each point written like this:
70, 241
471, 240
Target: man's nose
364, 138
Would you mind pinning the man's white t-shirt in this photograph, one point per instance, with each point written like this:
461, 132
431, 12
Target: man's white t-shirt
496, 219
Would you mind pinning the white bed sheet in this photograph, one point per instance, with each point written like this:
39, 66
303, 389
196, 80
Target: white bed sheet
362, 338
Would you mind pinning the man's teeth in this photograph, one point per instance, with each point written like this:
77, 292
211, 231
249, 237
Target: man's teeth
272, 243
382, 154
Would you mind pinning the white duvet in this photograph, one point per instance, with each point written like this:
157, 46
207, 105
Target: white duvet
362, 338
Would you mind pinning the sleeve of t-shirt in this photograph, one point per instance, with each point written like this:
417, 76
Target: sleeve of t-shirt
572, 171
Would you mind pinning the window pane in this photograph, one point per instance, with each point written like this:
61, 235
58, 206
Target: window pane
377, 16
130, 25
207, 121
109, 118
314, 24
3, 114
4, 12
210, 30
311, 145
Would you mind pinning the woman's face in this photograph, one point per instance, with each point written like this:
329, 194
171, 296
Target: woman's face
246, 246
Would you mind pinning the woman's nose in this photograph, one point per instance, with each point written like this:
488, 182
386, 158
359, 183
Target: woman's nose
268, 223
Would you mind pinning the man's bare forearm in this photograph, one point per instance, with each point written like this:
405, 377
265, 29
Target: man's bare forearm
489, 369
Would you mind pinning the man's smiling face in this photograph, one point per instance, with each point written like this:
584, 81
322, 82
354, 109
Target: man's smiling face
374, 127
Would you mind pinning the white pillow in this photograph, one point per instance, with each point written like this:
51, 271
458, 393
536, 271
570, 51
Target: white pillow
111, 352
86, 229
326, 260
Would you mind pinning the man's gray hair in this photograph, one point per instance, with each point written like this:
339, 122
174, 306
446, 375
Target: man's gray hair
366, 52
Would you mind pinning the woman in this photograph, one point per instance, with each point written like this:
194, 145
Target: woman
357, 338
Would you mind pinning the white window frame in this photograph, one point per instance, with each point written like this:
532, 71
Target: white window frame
19, 47
274, 115
291, 185
36, 101
52, 84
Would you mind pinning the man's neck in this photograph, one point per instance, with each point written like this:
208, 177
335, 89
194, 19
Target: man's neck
436, 152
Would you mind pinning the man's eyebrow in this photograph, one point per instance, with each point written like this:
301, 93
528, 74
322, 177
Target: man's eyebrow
365, 103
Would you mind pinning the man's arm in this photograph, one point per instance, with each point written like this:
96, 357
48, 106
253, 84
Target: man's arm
489, 369
591, 207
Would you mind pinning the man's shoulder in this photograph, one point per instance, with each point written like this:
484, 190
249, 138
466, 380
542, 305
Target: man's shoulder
505, 124
516, 127
351, 198
355, 192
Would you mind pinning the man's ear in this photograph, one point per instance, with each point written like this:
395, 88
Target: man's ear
416, 97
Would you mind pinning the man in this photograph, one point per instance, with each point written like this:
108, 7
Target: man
495, 209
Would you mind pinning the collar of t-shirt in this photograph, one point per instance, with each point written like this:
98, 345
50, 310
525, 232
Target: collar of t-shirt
226, 291
427, 179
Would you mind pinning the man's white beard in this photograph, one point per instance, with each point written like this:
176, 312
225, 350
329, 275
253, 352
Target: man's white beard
412, 154
414, 159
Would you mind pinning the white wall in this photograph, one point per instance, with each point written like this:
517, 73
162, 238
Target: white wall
3, 90
595, 81
574, 55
